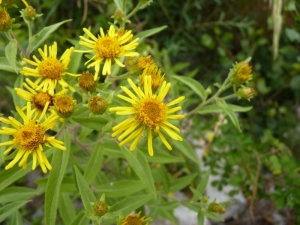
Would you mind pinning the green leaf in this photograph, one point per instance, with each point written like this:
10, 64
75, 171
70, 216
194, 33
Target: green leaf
112, 148
16, 219
10, 208
95, 162
166, 205
200, 218
66, 208
191, 205
120, 188
92, 122
203, 183
11, 51
80, 219
85, 192
147, 33
141, 167
130, 204
75, 58
213, 216
180, 183
42, 36
119, 4
163, 158
59, 163
230, 113
12, 194
5, 65
217, 109
193, 84
7, 177
187, 150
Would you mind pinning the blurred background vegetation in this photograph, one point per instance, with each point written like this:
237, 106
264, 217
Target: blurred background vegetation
202, 40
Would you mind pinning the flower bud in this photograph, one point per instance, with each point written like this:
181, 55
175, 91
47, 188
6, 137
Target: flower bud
5, 21
64, 106
100, 209
245, 93
86, 82
242, 73
216, 208
97, 104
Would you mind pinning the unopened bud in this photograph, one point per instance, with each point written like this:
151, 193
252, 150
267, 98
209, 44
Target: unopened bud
97, 104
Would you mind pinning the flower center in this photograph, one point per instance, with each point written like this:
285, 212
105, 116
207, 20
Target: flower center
132, 220
151, 112
41, 99
107, 47
51, 68
86, 81
30, 136
64, 104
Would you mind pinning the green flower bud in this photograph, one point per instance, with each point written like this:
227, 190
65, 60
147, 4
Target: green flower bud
97, 104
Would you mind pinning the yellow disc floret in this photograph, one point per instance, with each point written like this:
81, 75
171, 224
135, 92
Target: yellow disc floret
40, 100
30, 136
64, 105
107, 47
151, 112
51, 68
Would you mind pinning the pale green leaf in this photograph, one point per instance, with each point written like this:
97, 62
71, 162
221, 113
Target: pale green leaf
16, 218
178, 184
186, 149
230, 113
59, 163
147, 33
120, 188
203, 183
166, 205
160, 157
12, 194
9, 209
140, 166
66, 208
213, 216
200, 218
193, 84
80, 219
217, 109
119, 4
130, 204
87, 195
112, 148
42, 36
94, 164
4, 65
11, 51
92, 122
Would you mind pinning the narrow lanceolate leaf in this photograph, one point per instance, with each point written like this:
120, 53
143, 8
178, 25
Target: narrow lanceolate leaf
120, 188
10, 208
5, 65
230, 113
203, 183
66, 208
141, 167
182, 182
217, 109
59, 164
85, 192
193, 84
130, 204
80, 219
200, 218
16, 219
41, 36
11, 54
12, 194
95, 162
187, 150
92, 122
147, 33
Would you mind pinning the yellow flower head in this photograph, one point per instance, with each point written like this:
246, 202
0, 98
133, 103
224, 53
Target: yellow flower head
242, 74
49, 70
38, 98
148, 113
108, 48
135, 219
5, 21
156, 78
86, 82
29, 137
64, 105
143, 62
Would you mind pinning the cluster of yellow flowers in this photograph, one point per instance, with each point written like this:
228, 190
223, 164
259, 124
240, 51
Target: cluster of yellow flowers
48, 100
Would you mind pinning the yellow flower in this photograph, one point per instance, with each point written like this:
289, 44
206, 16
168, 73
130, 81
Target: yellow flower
243, 73
108, 48
29, 138
156, 77
49, 70
143, 62
37, 98
134, 219
148, 113
64, 105
86, 82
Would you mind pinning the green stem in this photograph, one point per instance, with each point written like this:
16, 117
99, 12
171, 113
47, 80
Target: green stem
11, 37
29, 24
137, 8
